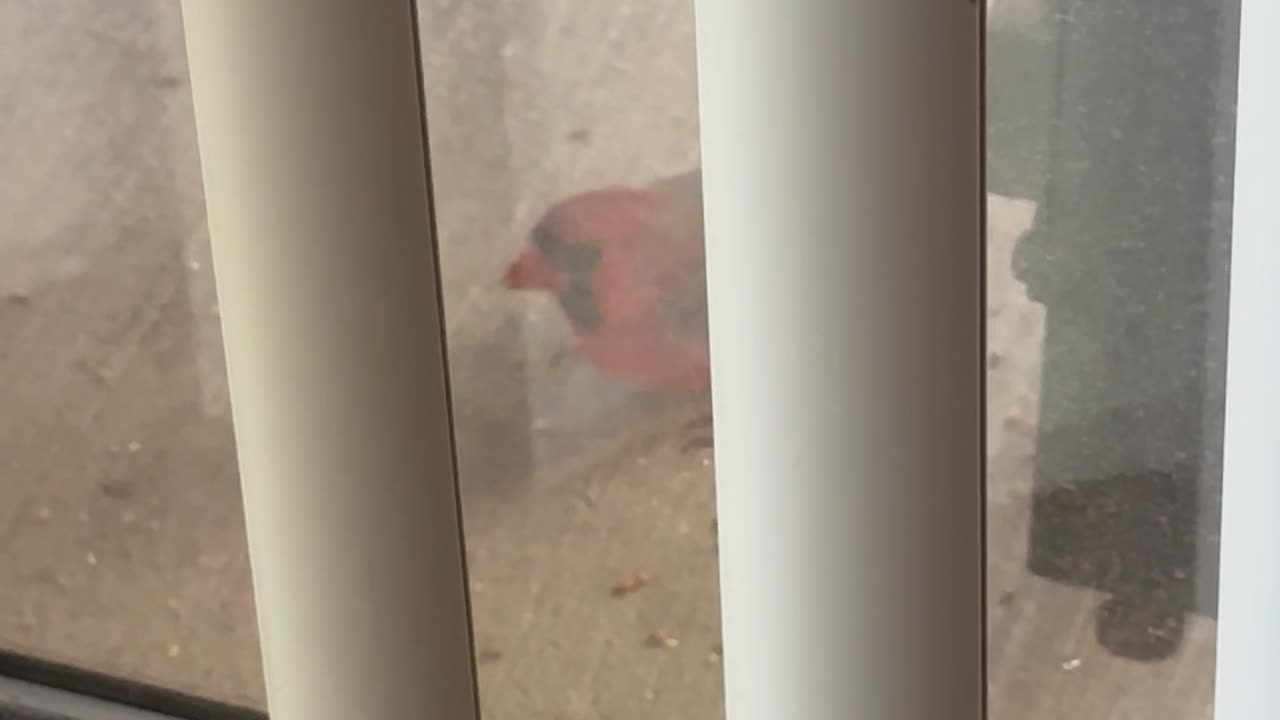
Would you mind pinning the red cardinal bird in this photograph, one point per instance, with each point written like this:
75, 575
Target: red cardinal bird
627, 266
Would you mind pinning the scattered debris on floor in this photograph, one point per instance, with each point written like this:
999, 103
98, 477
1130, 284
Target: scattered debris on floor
97, 374
659, 639
629, 585
1020, 424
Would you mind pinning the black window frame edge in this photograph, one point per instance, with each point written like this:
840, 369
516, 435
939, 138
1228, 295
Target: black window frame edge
34, 688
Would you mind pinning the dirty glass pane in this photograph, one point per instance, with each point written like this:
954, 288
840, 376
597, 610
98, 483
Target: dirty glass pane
122, 546
1110, 158
579, 371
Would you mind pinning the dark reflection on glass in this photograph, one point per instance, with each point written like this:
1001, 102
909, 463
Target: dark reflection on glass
1133, 536
1113, 125
1129, 260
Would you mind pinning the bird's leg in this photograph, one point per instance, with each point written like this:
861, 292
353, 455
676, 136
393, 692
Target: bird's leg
561, 356
702, 431
704, 441
702, 437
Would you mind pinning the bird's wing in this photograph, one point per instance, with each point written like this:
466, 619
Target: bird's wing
676, 261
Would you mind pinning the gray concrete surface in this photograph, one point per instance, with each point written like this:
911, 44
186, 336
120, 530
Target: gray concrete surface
121, 542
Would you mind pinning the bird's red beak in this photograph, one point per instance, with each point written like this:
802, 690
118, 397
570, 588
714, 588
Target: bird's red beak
529, 271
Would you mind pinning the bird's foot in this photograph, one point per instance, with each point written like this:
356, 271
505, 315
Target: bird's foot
702, 433
561, 356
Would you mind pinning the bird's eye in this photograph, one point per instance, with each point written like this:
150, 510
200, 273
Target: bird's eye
577, 258
546, 241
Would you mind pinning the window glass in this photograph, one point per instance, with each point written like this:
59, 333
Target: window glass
122, 545
1110, 159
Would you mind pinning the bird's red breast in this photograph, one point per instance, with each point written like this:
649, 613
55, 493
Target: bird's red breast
627, 268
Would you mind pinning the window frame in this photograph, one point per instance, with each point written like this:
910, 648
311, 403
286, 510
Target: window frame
740, 160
